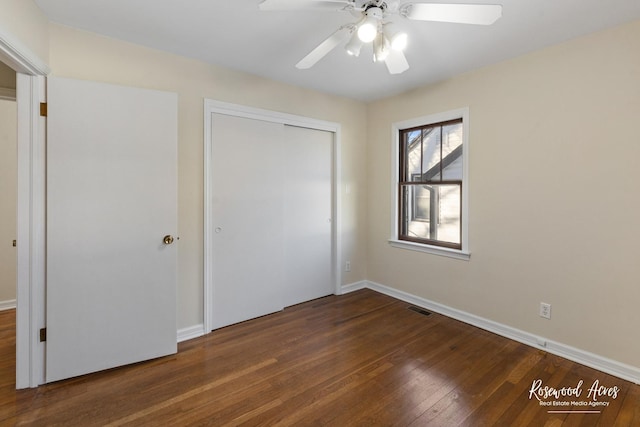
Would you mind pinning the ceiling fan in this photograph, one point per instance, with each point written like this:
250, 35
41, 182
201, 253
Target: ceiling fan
373, 26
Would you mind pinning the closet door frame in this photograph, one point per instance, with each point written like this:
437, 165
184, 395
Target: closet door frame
219, 107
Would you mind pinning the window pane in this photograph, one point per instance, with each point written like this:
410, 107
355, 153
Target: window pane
449, 214
422, 200
431, 212
452, 152
451, 138
431, 153
412, 149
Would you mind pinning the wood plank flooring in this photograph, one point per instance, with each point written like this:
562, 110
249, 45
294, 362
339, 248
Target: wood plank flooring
361, 359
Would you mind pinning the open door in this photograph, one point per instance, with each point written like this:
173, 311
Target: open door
111, 200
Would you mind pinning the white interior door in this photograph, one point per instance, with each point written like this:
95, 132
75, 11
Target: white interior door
307, 211
247, 211
111, 198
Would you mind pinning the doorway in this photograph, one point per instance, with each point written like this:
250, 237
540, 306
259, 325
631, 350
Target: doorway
8, 187
29, 92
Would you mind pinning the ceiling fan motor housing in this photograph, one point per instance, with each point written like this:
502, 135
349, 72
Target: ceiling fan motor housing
376, 7
375, 12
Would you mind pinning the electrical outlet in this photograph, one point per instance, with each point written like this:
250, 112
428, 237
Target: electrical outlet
347, 266
545, 310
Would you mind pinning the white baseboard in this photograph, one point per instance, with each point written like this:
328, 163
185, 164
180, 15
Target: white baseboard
609, 366
7, 94
8, 304
354, 287
191, 332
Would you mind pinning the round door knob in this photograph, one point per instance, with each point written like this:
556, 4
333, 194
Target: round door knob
168, 239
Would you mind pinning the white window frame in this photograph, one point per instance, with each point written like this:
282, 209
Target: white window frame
460, 113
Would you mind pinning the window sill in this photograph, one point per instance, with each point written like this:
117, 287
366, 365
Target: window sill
451, 253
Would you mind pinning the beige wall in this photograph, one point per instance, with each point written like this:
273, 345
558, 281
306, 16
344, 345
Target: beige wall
24, 21
8, 195
84, 55
554, 185
7, 77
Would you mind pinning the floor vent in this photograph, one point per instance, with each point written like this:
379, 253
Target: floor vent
419, 310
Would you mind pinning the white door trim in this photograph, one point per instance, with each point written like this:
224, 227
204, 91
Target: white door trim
30, 233
19, 57
212, 106
31, 208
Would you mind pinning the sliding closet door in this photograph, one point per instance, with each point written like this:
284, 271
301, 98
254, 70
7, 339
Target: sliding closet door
248, 221
307, 214
271, 217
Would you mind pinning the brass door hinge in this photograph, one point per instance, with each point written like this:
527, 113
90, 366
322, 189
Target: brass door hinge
43, 109
15, 243
43, 334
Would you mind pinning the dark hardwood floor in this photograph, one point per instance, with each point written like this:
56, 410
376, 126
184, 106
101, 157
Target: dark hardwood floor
362, 359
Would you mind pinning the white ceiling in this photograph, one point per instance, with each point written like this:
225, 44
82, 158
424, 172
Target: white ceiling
235, 34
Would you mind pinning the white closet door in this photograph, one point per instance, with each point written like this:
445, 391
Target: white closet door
247, 210
111, 199
307, 214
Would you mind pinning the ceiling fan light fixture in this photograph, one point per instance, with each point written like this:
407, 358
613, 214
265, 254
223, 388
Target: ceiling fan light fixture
380, 48
397, 38
354, 45
399, 42
369, 28
367, 31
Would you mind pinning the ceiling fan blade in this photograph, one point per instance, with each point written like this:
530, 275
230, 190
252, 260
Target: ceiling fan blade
330, 5
396, 62
324, 48
479, 14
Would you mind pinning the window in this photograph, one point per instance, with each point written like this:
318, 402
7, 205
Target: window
430, 189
